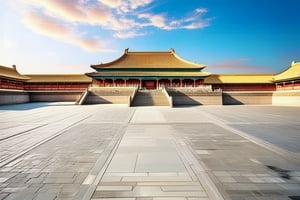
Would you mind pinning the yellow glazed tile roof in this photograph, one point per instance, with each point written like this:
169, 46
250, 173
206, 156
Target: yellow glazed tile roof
11, 73
149, 60
238, 78
142, 74
291, 73
58, 78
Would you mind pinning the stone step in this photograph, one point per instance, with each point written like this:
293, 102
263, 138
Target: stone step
108, 95
150, 98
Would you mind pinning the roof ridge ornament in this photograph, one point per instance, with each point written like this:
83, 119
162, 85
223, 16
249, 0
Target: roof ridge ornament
126, 50
172, 50
294, 63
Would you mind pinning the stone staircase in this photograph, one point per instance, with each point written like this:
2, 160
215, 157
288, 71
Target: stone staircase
150, 98
108, 96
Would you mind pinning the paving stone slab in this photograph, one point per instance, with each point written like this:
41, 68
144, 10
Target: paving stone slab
240, 168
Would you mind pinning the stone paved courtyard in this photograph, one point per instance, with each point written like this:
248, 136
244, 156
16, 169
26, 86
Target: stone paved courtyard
63, 151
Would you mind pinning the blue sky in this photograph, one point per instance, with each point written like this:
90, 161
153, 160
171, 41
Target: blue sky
229, 36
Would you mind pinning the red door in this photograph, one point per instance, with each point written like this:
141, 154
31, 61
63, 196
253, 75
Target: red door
149, 84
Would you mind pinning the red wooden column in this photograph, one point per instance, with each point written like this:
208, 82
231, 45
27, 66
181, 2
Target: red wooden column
113, 82
180, 82
140, 83
125, 81
156, 83
171, 82
194, 83
293, 82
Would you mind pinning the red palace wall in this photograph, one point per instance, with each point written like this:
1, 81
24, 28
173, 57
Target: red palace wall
288, 86
137, 82
54, 86
15, 85
9, 84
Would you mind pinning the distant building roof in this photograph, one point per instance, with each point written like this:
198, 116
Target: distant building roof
291, 73
152, 60
58, 78
238, 78
11, 73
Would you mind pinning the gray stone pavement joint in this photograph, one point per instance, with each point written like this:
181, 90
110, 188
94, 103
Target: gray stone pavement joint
14, 157
89, 185
293, 157
203, 177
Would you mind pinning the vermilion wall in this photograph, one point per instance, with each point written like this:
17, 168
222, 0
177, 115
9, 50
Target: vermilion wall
50, 87
9, 84
288, 86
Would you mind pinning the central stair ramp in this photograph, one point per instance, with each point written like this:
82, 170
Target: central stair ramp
152, 98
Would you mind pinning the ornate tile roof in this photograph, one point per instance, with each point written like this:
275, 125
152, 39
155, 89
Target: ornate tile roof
154, 60
11, 73
291, 73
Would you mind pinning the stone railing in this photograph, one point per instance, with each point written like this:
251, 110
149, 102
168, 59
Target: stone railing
170, 99
82, 97
131, 97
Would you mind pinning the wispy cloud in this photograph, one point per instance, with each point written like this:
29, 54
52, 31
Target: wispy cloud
191, 21
45, 25
201, 10
50, 27
125, 6
73, 11
196, 25
62, 19
129, 34
232, 62
157, 20
237, 66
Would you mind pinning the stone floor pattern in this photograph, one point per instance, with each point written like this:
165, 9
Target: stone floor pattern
147, 164
61, 151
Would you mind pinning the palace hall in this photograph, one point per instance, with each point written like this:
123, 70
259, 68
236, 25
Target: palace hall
149, 70
152, 78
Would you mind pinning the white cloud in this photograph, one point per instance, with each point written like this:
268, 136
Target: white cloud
196, 25
134, 4
129, 34
126, 6
201, 10
112, 3
190, 22
62, 19
74, 11
154, 20
46, 26
51, 28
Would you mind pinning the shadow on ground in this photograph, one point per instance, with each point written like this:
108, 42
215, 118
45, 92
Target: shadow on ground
30, 106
